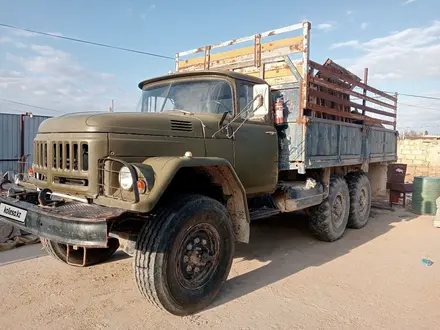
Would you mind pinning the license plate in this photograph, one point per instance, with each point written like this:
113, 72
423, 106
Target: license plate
12, 212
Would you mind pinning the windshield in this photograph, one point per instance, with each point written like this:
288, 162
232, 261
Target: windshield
209, 96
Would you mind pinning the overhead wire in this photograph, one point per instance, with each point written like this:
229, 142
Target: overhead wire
30, 105
419, 96
87, 42
419, 106
419, 126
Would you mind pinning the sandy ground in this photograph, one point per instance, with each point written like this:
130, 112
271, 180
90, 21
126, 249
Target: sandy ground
284, 279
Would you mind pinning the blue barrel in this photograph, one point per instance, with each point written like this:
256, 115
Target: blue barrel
426, 190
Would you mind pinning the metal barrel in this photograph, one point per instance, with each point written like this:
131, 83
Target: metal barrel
426, 190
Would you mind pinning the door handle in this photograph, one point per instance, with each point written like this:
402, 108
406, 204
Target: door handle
271, 132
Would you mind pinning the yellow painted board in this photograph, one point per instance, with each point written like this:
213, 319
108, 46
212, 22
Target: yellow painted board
294, 41
271, 73
281, 80
268, 72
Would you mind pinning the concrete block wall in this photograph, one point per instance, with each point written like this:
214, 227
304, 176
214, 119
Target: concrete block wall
377, 174
422, 157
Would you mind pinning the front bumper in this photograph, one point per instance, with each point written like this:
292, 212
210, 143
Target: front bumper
72, 223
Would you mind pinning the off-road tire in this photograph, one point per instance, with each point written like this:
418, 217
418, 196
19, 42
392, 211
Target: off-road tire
161, 249
325, 223
360, 199
93, 255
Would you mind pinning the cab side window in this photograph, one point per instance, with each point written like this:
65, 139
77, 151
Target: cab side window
245, 97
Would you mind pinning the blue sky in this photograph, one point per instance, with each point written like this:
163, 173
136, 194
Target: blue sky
398, 40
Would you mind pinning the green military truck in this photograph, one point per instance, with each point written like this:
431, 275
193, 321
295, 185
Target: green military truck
227, 138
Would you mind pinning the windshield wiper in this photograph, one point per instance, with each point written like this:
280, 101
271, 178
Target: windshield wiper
166, 97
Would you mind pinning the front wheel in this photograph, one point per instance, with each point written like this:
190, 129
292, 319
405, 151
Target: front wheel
184, 255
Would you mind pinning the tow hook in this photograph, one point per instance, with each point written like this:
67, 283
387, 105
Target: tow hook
45, 198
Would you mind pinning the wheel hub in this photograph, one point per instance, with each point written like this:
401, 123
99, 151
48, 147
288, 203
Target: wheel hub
199, 257
338, 210
363, 201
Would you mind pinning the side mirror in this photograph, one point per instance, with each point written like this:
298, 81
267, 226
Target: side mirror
261, 102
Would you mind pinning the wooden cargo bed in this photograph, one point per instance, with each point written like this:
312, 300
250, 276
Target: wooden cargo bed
333, 117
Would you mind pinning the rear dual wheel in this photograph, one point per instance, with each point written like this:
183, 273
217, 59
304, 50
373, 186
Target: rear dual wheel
348, 205
360, 199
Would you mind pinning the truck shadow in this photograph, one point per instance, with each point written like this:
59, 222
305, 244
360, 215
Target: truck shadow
119, 255
286, 246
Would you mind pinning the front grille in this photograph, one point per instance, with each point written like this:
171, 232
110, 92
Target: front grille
40, 154
68, 163
64, 156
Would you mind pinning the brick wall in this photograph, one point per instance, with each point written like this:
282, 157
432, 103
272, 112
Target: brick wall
422, 157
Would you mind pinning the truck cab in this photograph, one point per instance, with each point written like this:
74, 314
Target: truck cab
233, 111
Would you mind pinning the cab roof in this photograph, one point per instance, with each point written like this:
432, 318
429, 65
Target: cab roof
224, 73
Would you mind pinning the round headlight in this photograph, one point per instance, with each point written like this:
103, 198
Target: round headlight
125, 178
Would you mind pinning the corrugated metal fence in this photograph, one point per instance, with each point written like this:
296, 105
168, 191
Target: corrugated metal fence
10, 139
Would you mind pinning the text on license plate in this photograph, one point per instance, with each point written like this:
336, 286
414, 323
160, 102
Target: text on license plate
12, 212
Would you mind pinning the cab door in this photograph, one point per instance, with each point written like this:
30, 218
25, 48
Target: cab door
255, 145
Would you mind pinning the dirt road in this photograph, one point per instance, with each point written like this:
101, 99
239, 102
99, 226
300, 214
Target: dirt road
371, 279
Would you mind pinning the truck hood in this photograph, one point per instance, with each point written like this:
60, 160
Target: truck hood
170, 123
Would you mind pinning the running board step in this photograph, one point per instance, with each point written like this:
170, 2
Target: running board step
262, 213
